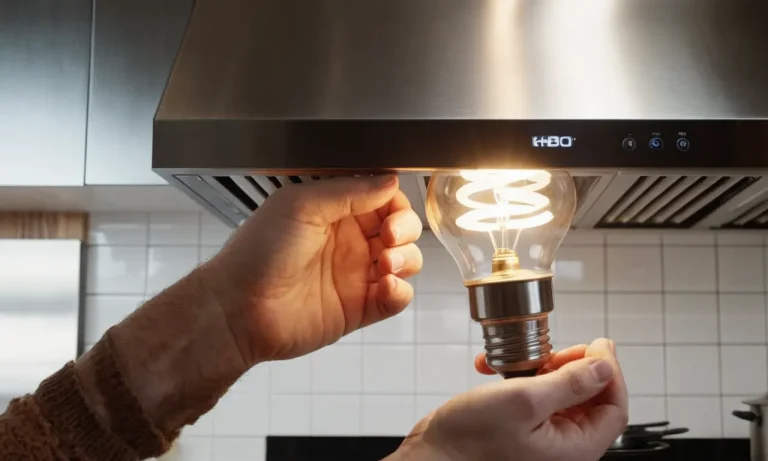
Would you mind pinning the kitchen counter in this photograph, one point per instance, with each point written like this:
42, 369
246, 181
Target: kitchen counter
376, 448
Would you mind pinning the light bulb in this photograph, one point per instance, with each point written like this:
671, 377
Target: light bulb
503, 227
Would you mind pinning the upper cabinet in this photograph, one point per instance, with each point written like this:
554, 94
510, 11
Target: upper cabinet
135, 43
44, 52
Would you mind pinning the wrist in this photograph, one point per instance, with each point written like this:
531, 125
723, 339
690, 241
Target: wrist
178, 352
231, 301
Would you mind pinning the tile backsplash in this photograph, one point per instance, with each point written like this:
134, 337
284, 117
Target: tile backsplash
686, 309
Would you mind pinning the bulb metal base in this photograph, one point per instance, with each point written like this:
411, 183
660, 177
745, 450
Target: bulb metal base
514, 317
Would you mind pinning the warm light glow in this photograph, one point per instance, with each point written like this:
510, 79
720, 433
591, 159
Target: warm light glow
516, 203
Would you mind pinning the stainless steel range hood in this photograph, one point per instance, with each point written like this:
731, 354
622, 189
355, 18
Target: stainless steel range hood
659, 108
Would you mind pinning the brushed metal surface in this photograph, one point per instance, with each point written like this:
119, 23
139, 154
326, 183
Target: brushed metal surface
40, 299
497, 301
484, 59
44, 53
514, 317
135, 43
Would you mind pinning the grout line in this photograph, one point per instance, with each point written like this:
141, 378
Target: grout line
664, 330
415, 344
361, 402
311, 392
719, 335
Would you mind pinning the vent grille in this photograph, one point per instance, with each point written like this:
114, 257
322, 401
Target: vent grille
754, 218
672, 201
252, 191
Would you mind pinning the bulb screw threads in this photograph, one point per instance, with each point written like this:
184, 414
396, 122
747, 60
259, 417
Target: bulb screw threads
514, 317
517, 345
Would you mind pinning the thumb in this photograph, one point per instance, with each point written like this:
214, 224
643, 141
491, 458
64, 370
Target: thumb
327, 201
568, 386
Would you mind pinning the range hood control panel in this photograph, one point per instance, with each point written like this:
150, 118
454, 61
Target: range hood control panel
657, 142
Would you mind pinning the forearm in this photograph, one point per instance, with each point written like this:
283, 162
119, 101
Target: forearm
176, 352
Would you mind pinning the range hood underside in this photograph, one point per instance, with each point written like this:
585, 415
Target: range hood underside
605, 200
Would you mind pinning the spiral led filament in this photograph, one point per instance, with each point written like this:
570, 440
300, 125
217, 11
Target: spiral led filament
512, 200
502, 200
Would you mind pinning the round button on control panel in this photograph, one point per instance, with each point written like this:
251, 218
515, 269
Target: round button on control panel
683, 144
656, 143
629, 144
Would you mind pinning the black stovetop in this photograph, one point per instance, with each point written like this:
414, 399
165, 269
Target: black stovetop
376, 448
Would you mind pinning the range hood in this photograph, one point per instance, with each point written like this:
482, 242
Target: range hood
659, 108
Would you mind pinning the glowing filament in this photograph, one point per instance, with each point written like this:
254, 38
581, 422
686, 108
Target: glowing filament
516, 201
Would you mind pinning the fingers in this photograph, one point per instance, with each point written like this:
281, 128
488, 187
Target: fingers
393, 250
399, 202
616, 392
603, 423
560, 358
614, 398
400, 228
481, 366
325, 202
402, 261
388, 297
371, 223
557, 360
610, 413
574, 383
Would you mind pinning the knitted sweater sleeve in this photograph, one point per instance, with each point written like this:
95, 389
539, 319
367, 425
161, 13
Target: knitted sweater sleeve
57, 422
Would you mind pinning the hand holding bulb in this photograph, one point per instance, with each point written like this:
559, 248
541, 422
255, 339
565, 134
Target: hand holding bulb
502, 227
573, 411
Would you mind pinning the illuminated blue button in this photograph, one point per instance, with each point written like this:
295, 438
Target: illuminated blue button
656, 143
683, 144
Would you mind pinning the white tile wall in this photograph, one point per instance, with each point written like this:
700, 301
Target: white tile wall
740, 269
336, 414
689, 269
692, 370
442, 319
635, 318
389, 369
702, 415
388, 414
338, 369
743, 370
182, 229
647, 409
579, 317
690, 318
636, 268
742, 318
687, 310
290, 415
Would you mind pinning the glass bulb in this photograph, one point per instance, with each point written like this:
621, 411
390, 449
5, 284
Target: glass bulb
503, 227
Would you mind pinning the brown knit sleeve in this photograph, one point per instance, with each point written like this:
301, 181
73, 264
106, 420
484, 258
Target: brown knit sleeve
25, 434
58, 422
